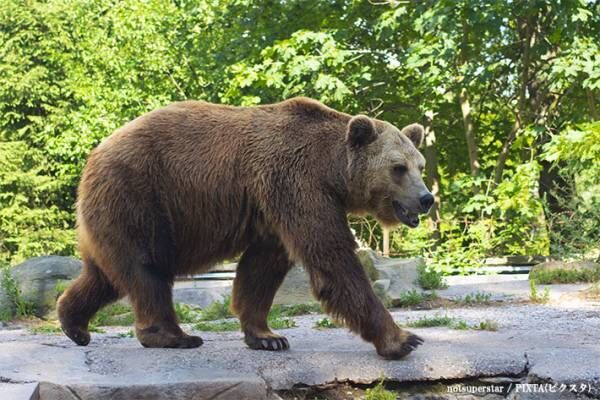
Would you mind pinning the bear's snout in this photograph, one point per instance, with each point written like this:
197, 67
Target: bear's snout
425, 202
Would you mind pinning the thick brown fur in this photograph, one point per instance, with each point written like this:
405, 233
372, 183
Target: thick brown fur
193, 183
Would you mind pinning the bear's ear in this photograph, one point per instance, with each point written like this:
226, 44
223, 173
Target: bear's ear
415, 132
361, 131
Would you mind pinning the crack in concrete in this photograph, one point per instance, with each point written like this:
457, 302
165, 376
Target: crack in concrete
73, 392
60, 346
225, 390
5, 379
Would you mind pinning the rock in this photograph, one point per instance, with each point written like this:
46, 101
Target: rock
565, 265
201, 293
295, 289
380, 287
394, 276
401, 273
37, 279
368, 258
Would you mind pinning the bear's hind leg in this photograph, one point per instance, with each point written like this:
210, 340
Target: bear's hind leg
156, 322
78, 304
260, 272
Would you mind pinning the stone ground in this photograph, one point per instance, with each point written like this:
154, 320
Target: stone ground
551, 344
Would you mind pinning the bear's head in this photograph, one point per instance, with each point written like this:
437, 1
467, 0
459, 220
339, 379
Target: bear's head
384, 169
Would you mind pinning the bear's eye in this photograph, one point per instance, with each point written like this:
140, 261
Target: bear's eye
400, 169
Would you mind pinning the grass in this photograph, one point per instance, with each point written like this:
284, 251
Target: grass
379, 392
60, 287
486, 325
121, 315
430, 279
217, 310
128, 334
535, 296
23, 308
234, 324
592, 293
281, 323
5, 316
326, 323
546, 277
53, 328
218, 326
409, 298
453, 323
413, 298
278, 310
475, 298
187, 314
430, 322
116, 314
47, 328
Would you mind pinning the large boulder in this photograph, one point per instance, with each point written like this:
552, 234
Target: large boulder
295, 289
37, 280
564, 271
402, 274
390, 276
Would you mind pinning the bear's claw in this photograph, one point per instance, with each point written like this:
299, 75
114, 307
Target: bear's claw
268, 343
403, 349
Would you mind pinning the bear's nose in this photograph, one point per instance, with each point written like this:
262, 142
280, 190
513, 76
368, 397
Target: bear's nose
426, 202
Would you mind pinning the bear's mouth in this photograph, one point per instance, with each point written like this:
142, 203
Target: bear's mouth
407, 218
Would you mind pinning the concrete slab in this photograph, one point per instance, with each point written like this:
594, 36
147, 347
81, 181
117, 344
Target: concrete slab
503, 287
558, 342
19, 391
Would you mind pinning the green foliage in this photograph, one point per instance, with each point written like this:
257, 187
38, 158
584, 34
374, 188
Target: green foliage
476, 298
410, 298
218, 326
47, 328
22, 307
326, 323
128, 334
281, 323
234, 325
187, 314
53, 328
429, 322
217, 310
575, 153
60, 287
546, 277
115, 314
72, 72
453, 323
535, 296
430, 279
486, 325
292, 310
379, 392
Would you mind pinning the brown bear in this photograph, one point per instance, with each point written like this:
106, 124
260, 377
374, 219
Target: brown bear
185, 186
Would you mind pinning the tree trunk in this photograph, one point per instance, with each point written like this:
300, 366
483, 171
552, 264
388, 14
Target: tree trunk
592, 104
501, 163
525, 28
465, 107
433, 176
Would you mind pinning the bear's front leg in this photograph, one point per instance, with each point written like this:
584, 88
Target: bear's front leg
342, 286
260, 272
327, 248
